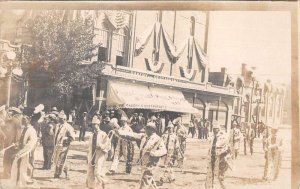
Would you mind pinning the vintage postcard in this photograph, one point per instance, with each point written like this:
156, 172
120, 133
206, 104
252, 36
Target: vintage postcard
161, 95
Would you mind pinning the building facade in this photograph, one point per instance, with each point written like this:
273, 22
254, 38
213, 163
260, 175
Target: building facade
155, 61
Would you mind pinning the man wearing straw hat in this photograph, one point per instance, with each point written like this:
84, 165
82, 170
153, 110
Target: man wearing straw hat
124, 148
54, 110
47, 139
99, 145
104, 126
273, 150
152, 149
181, 132
251, 137
37, 118
83, 126
12, 130
64, 135
20, 166
173, 150
237, 136
218, 158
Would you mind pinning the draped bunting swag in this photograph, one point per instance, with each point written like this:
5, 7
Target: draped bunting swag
188, 73
171, 50
116, 19
157, 35
156, 67
143, 40
173, 53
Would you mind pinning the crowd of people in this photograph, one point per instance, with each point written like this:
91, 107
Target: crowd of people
199, 127
272, 146
114, 135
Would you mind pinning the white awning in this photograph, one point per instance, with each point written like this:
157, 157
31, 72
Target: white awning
135, 96
172, 100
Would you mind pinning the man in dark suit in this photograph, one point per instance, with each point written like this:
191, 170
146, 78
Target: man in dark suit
141, 121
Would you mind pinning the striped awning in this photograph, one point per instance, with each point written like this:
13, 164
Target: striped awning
136, 96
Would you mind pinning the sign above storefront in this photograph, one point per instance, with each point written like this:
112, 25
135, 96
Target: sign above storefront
134, 96
155, 78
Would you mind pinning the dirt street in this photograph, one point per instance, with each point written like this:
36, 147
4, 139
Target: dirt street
247, 172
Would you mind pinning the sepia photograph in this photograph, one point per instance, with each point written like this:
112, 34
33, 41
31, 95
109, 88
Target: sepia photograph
148, 95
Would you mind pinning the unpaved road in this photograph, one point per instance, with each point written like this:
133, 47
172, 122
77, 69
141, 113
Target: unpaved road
247, 173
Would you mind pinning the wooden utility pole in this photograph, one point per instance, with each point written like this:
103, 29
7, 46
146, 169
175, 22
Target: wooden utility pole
206, 31
9, 86
132, 37
173, 39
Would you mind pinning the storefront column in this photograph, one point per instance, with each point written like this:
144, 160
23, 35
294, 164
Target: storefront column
100, 89
228, 118
206, 110
94, 88
281, 109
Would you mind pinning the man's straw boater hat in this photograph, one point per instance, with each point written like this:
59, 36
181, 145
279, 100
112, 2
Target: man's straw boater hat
151, 125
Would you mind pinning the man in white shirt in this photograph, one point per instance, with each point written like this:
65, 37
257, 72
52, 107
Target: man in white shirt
64, 135
99, 145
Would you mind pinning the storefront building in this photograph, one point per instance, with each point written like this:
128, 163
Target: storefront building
164, 68
155, 61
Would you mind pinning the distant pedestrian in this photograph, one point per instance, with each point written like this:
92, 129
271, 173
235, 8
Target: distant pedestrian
72, 118
206, 129
141, 122
83, 126
251, 137
265, 135
160, 125
245, 136
167, 120
192, 127
134, 122
200, 128
237, 136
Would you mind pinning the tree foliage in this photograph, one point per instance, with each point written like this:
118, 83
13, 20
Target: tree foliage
59, 45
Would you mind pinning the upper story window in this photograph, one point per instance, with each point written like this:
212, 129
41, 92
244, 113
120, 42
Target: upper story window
112, 34
102, 54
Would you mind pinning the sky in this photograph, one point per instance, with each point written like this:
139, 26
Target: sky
260, 39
